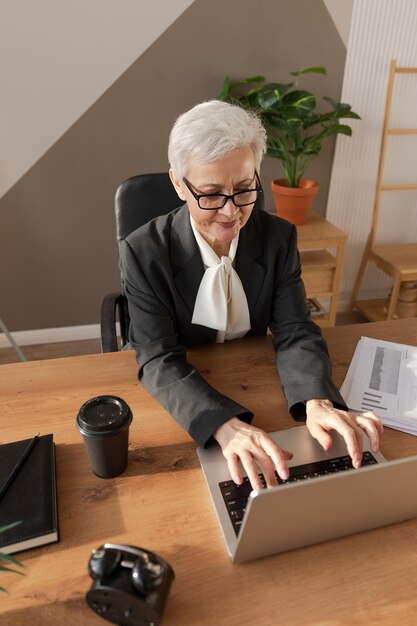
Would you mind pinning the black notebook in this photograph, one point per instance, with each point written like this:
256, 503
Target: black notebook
31, 496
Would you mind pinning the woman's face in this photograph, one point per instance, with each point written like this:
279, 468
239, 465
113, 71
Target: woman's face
232, 173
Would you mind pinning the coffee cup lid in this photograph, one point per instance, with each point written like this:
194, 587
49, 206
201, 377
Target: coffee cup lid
103, 415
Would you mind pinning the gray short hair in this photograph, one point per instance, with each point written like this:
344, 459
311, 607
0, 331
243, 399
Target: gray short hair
212, 130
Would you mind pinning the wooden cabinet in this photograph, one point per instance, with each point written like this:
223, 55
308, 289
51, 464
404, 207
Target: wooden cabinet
322, 247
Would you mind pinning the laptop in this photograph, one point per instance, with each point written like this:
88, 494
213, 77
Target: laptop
324, 497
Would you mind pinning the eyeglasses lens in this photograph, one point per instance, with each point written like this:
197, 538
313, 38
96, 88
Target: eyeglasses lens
241, 198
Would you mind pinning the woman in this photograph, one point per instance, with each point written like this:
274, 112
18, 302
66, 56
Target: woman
216, 269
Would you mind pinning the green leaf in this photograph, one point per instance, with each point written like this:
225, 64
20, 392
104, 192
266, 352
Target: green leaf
251, 79
9, 569
266, 95
342, 108
260, 97
342, 129
331, 116
249, 101
275, 153
228, 86
271, 118
9, 526
276, 148
282, 88
293, 123
333, 103
314, 118
7, 558
318, 69
267, 99
339, 115
225, 90
300, 100
312, 144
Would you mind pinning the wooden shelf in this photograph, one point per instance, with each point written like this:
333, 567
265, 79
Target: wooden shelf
318, 268
373, 310
321, 269
321, 320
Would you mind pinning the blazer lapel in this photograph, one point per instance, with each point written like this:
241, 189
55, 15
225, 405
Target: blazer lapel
186, 259
248, 263
188, 268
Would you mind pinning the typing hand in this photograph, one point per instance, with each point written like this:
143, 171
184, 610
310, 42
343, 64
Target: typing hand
323, 417
255, 450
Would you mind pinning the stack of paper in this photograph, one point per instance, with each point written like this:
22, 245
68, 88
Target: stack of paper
382, 377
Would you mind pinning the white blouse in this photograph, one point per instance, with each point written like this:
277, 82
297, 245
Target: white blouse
221, 300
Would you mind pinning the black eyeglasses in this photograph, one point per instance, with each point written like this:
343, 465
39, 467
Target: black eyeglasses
215, 201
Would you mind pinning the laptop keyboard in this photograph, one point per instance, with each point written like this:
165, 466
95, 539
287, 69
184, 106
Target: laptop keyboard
236, 496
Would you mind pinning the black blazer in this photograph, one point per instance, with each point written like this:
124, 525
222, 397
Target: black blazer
161, 268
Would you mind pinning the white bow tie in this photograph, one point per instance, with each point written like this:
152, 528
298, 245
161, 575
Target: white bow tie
221, 300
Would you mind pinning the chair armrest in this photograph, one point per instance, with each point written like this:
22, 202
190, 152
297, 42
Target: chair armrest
113, 309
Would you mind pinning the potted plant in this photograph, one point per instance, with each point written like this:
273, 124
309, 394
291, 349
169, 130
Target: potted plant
295, 132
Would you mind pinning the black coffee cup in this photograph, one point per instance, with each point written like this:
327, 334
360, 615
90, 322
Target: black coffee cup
104, 424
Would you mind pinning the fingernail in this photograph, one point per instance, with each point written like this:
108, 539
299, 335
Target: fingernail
283, 474
356, 460
375, 447
237, 480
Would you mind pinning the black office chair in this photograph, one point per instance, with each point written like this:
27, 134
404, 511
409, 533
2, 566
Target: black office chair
138, 200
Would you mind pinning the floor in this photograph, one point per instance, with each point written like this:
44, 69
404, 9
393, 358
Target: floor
92, 346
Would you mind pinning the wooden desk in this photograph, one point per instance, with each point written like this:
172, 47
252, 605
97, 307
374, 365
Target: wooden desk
162, 503
322, 268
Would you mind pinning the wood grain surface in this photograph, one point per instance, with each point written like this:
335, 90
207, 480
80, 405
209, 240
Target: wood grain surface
161, 502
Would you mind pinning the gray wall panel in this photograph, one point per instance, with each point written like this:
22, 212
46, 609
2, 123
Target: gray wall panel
58, 254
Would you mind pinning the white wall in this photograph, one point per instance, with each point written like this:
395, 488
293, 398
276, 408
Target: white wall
381, 30
43, 94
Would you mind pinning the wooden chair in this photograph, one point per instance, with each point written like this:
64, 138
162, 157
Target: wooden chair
398, 261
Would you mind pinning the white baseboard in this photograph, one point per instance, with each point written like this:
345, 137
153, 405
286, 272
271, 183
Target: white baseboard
92, 331
52, 335
344, 298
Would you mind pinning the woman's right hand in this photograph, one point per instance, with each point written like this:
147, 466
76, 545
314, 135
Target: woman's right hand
255, 450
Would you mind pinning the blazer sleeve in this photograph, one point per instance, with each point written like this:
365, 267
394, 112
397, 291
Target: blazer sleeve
301, 353
163, 366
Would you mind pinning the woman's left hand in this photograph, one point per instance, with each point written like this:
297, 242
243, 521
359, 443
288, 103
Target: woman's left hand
322, 417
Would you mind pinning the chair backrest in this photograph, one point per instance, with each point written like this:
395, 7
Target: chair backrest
138, 200
141, 198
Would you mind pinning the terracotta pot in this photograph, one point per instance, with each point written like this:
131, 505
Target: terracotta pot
293, 203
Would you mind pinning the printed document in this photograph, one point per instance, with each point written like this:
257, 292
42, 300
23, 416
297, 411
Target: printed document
382, 377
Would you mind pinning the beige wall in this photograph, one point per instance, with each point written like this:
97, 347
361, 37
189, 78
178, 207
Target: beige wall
57, 58
58, 254
341, 13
